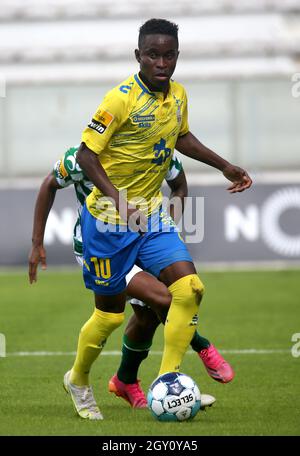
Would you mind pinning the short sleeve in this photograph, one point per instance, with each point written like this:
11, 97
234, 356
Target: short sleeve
175, 167
66, 170
60, 173
106, 121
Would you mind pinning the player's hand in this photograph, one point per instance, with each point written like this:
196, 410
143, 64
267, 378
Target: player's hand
137, 221
37, 255
239, 178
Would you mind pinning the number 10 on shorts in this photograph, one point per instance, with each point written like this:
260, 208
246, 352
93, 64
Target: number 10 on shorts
102, 267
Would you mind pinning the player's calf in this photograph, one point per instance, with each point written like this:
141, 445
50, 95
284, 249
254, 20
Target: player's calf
181, 320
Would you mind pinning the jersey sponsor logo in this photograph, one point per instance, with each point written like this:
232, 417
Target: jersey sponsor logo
144, 125
97, 126
101, 121
104, 117
138, 119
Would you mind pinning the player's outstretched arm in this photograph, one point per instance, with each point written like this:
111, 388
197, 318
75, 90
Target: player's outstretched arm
44, 202
190, 146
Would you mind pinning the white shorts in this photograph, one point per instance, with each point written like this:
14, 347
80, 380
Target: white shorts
79, 259
135, 270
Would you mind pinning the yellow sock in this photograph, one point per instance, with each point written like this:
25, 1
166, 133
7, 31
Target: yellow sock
181, 321
92, 339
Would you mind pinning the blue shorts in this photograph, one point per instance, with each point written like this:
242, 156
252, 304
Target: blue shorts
110, 251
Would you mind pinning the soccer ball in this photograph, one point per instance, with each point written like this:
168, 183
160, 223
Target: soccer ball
174, 397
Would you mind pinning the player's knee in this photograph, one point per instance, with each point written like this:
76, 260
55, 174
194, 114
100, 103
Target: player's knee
160, 300
117, 319
197, 286
188, 289
142, 324
110, 320
144, 319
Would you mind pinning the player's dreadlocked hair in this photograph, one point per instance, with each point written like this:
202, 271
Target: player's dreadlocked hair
158, 26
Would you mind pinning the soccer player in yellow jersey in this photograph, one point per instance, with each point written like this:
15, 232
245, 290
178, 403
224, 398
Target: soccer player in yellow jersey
125, 151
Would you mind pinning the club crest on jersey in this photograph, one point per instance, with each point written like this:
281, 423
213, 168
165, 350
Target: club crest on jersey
101, 120
178, 114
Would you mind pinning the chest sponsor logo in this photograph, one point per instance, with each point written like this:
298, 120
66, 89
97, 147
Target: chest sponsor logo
144, 125
143, 119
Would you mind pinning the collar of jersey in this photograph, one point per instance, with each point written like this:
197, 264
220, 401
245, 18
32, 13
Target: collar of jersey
145, 89
142, 85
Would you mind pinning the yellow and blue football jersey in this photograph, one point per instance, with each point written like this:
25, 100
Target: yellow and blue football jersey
134, 132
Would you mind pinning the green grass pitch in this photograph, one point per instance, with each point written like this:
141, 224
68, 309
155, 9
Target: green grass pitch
241, 310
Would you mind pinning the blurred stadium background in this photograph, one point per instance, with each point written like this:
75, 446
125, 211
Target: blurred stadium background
240, 63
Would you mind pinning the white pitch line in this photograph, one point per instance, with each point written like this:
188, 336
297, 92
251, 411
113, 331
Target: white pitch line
246, 351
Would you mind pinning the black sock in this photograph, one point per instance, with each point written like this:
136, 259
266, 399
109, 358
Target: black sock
133, 353
198, 342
